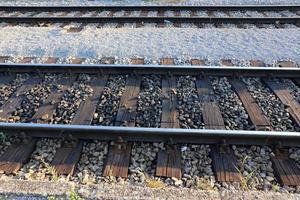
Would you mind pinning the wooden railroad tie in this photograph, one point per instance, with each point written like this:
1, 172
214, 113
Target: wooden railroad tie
167, 61
256, 115
286, 98
66, 157
197, 62
285, 169
16, 156
224, 164
169, 117
169, 162
45, 112
51, 60
16, 99
128, 103
212, 116
117, 161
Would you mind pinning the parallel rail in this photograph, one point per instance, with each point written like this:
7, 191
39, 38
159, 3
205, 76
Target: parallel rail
154, 69
150, 19
177, 135
155, 8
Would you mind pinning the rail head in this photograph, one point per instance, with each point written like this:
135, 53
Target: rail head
178, 135
154, 69
154, 7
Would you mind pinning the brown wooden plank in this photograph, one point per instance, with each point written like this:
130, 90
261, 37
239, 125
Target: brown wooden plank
257, 117
117, 161
286, 98
174, 162
128, 103
107, 60
65, 159
137, 61
46, 110
167, 61
26, 60
218, 167
76, 60
289, 171
287, 64
226, 62
51, 60
3, 59
235, 176
15, 156
197, 62
224, 164
169, 162
169, 117
295, 170
162, 162
279, 172
124, 163
16, 99
86, 110
257, 63
212, 116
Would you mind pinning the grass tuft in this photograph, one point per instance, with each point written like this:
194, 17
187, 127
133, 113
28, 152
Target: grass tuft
246, 182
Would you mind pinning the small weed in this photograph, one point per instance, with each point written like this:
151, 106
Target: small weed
204, 184
152, 183
275, 188
51, 170
52, 198
155, 183
245, 181
75, 196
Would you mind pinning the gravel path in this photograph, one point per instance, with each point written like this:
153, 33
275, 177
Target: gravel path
270, 105
261, 44
72, 99
107, 108
233, 112
149, 102
189, 106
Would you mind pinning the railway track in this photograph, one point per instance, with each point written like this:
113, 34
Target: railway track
162, 15
170, 105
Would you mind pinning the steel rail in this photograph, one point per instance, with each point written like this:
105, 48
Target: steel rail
154, 69
141, 19
155, 7
176, 135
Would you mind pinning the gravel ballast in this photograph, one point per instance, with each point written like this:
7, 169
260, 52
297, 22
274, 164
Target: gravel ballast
108, 105
234, 114
149, 107
188, 103
213, 44
270, 105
